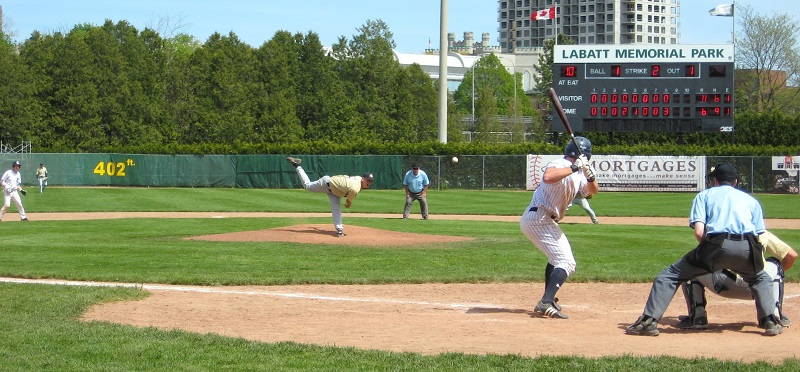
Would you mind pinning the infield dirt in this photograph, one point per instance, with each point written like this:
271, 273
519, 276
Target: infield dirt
486, 318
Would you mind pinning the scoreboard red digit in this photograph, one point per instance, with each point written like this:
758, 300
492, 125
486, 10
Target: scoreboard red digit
652, 88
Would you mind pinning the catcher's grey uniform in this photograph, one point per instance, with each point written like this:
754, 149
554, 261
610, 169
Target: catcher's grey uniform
728, 284
561, 181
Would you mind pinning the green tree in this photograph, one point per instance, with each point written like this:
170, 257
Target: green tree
416, 100
280, 67
324, 108
20, 113
225, 82
74, 103
544, 70
175, 62
489, 77
768, 56
369, 74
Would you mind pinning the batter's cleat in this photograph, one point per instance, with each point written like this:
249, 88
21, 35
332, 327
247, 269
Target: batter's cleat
24, 219
687, 322
785, 322
595, 221
644, 326
549, 310
295, 161
339, 233
771, 328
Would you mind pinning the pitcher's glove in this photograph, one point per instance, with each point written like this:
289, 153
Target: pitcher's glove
23, 192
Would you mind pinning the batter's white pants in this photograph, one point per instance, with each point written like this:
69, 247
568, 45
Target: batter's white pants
322, 185
545, 234
7, 198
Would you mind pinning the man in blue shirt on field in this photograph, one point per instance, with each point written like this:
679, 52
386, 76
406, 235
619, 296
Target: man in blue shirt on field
726, 223
416, 184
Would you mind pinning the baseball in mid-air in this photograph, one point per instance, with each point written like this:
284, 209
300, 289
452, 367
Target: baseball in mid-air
455, 159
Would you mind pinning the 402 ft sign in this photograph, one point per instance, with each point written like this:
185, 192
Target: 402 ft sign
112, 169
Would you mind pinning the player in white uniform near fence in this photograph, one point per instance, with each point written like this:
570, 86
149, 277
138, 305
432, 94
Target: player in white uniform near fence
561, 181
12, 187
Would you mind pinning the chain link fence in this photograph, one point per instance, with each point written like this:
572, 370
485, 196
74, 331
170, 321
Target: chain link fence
507, 172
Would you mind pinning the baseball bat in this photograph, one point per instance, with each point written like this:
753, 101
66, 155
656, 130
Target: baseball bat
560, 110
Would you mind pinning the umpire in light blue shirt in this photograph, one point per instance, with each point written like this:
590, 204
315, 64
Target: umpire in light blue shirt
416, 184
726, 223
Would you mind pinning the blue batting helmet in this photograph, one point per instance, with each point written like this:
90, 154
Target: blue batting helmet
585, 148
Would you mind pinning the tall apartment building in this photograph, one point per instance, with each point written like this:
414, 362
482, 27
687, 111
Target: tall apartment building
587, 22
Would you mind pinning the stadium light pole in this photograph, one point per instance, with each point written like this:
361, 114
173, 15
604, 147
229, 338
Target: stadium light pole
443, 51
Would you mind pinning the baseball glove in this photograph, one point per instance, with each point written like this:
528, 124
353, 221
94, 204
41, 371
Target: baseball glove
23, 192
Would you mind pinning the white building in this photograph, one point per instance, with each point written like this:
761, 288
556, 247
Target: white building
463, 54
459, 64
587, 22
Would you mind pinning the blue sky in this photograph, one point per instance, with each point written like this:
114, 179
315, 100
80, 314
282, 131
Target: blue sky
413, 22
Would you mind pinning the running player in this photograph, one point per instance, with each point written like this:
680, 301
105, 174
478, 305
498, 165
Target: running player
562, 180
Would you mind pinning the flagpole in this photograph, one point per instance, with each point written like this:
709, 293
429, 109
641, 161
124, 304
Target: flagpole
733, 73
556, 25
733, 27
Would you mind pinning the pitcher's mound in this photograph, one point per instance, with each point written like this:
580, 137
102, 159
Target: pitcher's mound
326, 234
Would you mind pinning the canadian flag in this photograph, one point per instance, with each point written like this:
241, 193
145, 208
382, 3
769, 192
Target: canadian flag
549, 13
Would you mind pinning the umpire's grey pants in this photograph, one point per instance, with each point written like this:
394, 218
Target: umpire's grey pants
423, 204
733, 255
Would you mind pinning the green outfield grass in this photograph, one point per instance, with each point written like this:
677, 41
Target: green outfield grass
111, 199
38, 330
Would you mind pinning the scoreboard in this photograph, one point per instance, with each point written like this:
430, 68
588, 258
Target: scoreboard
645, 88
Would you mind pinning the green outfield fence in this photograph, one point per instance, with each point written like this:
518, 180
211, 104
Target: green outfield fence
473, 172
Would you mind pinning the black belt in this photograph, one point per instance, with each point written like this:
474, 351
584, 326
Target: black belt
729, 236
729, 274
329, 187
534, 209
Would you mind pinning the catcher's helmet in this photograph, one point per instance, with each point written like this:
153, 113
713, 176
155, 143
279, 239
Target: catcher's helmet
16, 163
585, 148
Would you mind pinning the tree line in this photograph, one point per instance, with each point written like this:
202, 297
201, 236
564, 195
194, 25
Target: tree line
114, 88
102, 87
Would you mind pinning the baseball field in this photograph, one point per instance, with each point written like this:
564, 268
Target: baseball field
242, 279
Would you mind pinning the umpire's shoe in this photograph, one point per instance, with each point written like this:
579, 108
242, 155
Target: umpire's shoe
772, 326
644, 326
690, 322
549, 310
